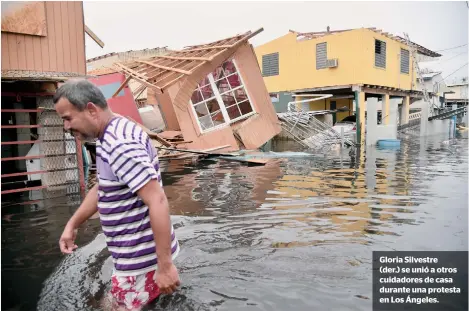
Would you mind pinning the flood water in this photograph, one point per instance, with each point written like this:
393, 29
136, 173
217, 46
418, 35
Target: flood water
296, 234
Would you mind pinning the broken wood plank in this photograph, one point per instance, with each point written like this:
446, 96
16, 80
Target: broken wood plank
181, 142
164, 67
139, 90
93, 36
190, 156
205, 152
170, 134
171, 155
216, 148
172, 81
183, 57
258, 161
208, 48
121, 87
131, 71
136, 76
151, 134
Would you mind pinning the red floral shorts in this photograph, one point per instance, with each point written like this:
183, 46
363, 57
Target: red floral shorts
133, 292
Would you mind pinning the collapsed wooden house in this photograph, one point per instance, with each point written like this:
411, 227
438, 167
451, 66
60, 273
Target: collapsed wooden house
214, 93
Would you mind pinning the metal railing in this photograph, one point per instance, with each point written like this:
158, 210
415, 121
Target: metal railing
310, 132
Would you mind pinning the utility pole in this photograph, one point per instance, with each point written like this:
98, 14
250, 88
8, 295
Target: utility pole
413, 51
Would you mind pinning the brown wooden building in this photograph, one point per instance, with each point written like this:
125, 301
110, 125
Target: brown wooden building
213, 93
43, 44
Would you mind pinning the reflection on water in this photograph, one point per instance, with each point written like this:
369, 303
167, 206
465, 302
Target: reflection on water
297, 233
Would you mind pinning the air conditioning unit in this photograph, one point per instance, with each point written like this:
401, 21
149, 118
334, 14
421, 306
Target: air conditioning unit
331, 63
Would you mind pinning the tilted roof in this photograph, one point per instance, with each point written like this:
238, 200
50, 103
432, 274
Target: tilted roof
162, 71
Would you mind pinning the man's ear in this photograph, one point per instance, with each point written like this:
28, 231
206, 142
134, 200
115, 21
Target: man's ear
92, 109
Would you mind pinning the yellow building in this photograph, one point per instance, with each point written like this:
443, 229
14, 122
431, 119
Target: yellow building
352, 65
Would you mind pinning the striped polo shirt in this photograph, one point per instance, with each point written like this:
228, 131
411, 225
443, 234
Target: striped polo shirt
126, 161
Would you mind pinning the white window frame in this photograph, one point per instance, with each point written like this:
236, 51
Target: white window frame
221, 104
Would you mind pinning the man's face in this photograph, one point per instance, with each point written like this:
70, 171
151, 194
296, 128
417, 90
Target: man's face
81, 124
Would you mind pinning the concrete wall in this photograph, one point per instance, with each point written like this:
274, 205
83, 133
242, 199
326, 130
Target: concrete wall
355, 53
281, 104
460, 92
375, 132
325, 104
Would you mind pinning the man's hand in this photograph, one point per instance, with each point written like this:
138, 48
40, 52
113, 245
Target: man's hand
67, 240
84, 212
167, 279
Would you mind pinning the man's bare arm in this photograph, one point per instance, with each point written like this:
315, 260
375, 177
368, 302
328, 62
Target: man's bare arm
87, 209
154, 197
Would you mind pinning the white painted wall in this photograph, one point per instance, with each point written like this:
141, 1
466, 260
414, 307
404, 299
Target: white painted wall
460, 91
375, 132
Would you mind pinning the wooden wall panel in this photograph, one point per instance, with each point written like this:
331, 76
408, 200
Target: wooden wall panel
51, 35
5, 52
45, 53
59, 29
21, 50
80, 31
257, 130
62, 50
73, 38
37, 53
28, 40
13, 51
166, 107
66, 34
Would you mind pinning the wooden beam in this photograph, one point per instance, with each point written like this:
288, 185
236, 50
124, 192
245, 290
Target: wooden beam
205, 151
181, 142
164, 67
93, 36
170, 82
255, 33
138, 77
240, 41
208, 48
183, 57
143, 89
139, 88
151, 134
133, 72
382, 92
122, 86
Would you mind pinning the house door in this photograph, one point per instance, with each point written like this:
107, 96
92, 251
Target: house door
333, 106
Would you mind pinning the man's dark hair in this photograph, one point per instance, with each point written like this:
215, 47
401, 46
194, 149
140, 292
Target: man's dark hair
79, 93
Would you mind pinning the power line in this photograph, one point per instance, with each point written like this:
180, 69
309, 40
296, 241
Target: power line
452, 73
451, 48
455, 71
444, 60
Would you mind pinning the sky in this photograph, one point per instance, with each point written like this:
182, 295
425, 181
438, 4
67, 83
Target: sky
138, 25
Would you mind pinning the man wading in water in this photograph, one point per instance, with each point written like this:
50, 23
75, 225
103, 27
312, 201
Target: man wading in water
132, 205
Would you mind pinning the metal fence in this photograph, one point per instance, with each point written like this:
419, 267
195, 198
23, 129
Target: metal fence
59, 149
49, 164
